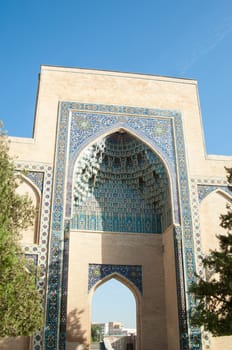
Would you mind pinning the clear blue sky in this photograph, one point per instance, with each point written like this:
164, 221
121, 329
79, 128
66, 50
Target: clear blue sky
112, 301
180, 38
167, 37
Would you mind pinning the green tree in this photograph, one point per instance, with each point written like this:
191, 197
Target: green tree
95, 332
214, 294
20, 302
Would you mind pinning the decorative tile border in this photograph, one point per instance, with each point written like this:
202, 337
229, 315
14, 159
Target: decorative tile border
41, 176
133, 273
95, 122
64, 287
200, 188
55, 269
180, 283
188, 339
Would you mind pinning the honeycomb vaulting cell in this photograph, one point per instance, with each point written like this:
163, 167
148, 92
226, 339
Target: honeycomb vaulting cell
121, 185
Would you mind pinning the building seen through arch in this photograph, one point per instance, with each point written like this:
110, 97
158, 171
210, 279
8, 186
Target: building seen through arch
113, 311
118, 170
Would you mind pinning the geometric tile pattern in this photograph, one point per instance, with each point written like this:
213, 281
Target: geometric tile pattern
185, 244
154, 127
181, 298
85, 124
64, 286
131, 272
41, 176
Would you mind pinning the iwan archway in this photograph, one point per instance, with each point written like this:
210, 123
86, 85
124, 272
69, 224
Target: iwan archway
118, 172
151, 225
121, 205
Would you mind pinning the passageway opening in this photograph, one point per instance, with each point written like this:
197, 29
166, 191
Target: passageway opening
113, 313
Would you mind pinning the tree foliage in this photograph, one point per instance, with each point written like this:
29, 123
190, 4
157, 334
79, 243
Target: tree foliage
20, 302
95, 332
214, 294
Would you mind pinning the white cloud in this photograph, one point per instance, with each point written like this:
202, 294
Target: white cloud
212, 41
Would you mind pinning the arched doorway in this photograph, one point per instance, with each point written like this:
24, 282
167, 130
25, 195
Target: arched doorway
113, 311
121, 210
211, 208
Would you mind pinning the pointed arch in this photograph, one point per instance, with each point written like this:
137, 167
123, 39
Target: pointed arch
211, 208
135, 133
27, 187
31, 184
141, 137
135, 292
206, 190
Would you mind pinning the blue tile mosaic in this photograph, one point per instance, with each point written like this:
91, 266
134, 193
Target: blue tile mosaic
154, 127
64, 287
85, 125
121, 185
41, 176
